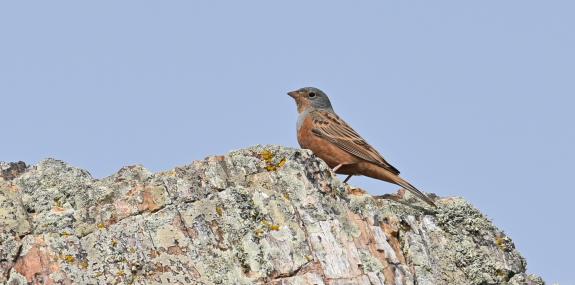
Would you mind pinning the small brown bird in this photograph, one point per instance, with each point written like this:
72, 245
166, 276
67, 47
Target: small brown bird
322, 131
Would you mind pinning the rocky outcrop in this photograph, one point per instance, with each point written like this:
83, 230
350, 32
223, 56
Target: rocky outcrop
262, 215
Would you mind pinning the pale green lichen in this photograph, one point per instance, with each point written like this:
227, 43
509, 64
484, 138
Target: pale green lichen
369, 262
243, 218
460, 217
69, 258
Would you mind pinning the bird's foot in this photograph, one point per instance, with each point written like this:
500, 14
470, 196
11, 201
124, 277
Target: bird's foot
337, 167
348, 177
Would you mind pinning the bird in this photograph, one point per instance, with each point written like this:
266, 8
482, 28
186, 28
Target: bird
330, 138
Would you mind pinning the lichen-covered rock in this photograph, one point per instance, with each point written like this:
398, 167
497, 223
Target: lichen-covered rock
262, 215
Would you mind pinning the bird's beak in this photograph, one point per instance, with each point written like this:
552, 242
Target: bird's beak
292, 94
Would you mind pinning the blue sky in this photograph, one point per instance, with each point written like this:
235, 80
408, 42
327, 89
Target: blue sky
466, 98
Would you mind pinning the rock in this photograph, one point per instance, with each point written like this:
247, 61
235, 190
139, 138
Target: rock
11, 170
262, 215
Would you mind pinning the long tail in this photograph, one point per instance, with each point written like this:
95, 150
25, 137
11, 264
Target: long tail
406, 185
381, 173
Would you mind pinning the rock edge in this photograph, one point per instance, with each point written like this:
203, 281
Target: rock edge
260, 215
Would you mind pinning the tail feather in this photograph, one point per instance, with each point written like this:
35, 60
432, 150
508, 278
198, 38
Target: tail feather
381, 173
407, 186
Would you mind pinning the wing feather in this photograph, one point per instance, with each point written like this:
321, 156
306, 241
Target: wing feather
329, 126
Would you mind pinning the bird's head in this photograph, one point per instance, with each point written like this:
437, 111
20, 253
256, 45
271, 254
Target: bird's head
310, 97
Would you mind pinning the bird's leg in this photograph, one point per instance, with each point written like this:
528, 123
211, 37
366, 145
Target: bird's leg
348, 177
337, 167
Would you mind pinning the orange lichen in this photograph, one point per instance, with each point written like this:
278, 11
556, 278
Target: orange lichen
259, 232
270, 226
271, 167
501, 242
282, 162
69, 259
268, 157
58, 203
275, 227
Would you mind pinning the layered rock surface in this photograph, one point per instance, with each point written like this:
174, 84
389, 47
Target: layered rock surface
262, 215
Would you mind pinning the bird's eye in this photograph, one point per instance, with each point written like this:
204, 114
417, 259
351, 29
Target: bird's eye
311, 95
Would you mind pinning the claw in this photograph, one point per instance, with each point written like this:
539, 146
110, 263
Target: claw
337, 167
348, 177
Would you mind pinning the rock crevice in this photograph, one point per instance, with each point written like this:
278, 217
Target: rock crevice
261, 215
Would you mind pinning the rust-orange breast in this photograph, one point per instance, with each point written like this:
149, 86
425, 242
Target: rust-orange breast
324, 149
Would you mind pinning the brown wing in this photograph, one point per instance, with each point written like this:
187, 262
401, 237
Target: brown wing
329, 126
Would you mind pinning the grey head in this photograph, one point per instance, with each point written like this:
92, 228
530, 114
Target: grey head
310, 98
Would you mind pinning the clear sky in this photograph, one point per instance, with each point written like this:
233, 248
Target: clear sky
466, 98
